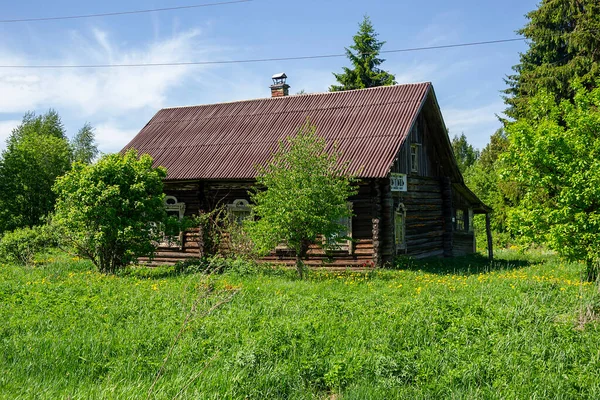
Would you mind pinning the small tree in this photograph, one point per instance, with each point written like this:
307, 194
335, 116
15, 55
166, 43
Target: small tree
84, 145
554, 156
465, 154
305, 195
365, 61
109, 212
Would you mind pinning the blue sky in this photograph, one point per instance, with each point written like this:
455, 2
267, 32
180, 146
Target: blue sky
119, 101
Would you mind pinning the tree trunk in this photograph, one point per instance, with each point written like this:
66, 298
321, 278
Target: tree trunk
300, 266
592, 271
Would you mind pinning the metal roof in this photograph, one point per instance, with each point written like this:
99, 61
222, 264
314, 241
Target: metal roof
227, 140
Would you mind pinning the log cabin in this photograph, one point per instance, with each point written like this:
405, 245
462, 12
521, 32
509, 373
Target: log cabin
412, 199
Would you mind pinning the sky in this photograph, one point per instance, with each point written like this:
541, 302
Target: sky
118, 102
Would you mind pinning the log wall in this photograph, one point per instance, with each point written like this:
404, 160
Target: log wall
424, 217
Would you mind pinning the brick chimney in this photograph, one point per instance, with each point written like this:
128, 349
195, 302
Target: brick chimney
279, 88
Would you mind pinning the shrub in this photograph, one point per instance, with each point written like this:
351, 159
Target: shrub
109, 211
21, 245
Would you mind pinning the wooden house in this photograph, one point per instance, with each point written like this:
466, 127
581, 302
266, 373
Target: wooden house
412, 199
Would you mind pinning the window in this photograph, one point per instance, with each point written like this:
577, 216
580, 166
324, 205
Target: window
345, 245
400, 227
460, 220
172, 237
414, 157
239, 210
470, 227
173, 207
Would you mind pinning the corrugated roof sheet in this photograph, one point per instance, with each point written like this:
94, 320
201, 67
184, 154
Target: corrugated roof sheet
226, 140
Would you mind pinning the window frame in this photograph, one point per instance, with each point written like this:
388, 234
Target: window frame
239, 210
414, 157
400, 211
347, 244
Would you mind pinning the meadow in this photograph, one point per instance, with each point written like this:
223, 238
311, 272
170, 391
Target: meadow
523, 326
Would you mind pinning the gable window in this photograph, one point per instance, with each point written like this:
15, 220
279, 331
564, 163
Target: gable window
414, 157
400, 227
239, 210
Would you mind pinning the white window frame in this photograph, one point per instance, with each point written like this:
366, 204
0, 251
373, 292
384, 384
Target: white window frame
173, 205
239, 210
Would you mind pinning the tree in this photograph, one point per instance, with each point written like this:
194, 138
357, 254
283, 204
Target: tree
109, 211
464, 153
564, 43
484, 179
554, 156
365, 72
305, 193
37, 153
84, 145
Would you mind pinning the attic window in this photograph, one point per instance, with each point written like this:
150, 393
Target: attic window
239, 210
414, 157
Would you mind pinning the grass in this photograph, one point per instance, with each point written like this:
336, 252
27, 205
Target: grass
521, 327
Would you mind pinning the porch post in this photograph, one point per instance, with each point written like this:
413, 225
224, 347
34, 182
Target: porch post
488, 232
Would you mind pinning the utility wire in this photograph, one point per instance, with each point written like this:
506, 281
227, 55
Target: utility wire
257, 60
109, 14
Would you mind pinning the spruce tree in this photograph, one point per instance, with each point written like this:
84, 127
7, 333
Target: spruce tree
364, 56
563, 45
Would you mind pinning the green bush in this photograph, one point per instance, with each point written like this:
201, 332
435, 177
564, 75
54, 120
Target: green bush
109, 211
21, 245
215, 264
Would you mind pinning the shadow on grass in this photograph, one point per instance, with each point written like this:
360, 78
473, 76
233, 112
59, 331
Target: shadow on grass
466, 265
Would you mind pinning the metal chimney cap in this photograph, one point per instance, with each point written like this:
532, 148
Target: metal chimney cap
280, 75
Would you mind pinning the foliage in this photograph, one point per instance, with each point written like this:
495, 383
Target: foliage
84, 146
305, 195
563, 45
37, 153
68, 331
554, 156
365, 61
21, 245
215, 264
109, 211
483, 177
465, 154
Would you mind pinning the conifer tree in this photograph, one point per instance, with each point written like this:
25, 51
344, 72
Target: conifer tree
364, 56
563, 45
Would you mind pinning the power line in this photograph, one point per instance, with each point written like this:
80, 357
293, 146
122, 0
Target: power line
257, 60
110, 14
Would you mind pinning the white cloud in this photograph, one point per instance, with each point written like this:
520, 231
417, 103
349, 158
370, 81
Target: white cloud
111, 137
6, 128
478, 124
109, 90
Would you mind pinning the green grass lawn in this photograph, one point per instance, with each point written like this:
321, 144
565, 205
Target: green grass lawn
523, 327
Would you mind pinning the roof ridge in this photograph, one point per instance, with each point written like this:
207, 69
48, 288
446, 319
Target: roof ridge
299, 95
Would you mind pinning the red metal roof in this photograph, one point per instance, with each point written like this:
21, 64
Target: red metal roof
226, 140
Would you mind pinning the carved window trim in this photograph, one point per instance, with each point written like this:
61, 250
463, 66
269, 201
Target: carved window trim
346, 245
400, 227
173, 205
239, 210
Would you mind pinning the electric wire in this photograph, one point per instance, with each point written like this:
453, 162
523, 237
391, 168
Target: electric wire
259, 60
110, 14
